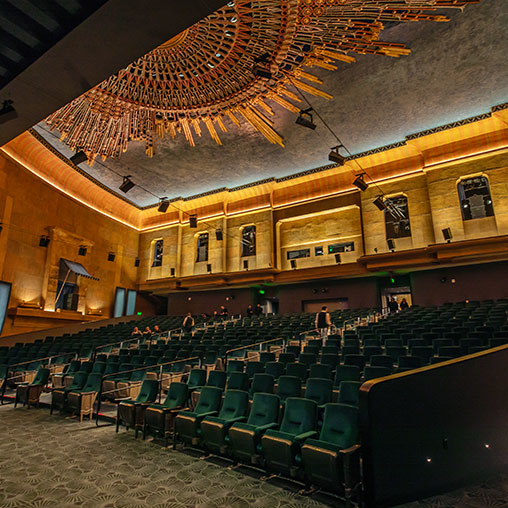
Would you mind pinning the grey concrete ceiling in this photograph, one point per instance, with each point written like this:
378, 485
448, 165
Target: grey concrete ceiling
456, 70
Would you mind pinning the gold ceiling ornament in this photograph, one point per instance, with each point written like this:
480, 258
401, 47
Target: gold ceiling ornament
203, 79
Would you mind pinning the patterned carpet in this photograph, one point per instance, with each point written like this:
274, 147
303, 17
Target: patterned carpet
52, 461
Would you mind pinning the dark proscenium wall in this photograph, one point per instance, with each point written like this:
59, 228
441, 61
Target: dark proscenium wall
435, 429
473, 282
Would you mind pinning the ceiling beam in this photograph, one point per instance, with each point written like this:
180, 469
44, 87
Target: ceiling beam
111, 38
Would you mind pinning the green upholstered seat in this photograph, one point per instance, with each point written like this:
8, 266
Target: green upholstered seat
252, 368
238, 381
159, 418
197, 378
349, 392
187, 423
281, 448
332, 461
373, 372
214, 429
131, 412
217, 379
289, 386
276, 369
82, 401
235, 366
346, 373
298, 370
261, 383
319, 390
382, 361
59, 395
244, 438
29, 393
321, 370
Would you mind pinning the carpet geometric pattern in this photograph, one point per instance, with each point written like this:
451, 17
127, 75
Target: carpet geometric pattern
52, 461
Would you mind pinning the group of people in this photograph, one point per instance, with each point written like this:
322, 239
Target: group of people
254, 311
147, 332
394, 306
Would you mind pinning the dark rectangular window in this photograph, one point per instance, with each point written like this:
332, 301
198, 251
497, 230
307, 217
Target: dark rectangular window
301, 253
318, 251
249, 241
341, 247
157, 253
202, 248
475, 198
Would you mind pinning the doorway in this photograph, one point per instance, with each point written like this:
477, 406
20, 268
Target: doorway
398, 293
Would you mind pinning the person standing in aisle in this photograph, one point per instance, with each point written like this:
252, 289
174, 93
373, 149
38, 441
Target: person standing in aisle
188, 323
323, 323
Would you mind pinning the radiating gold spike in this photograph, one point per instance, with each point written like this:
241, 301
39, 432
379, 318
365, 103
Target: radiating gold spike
311, 89
306, 75
211, 129
265, 106
232, 117
335, 55
221, 124
284, 103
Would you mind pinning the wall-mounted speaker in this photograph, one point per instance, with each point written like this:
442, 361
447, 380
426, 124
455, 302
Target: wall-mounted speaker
111, 256
219, 235
245, 264
193, 221
136, 262
82, 250
338, 259
209, 268
43, 241
172, 272
293, 263
447, 234
391, 244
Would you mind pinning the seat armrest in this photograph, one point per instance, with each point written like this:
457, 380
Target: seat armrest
305, 435
88, 393
262, 428
209, 413
174, 409
237, 419
350, 450
351, 462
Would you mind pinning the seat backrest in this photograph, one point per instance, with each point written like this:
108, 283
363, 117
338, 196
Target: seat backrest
235, 404
300, 416
265, 357
349, 392
216, 378
319, 390
381, 361
307, 358
331, 359
321, 370
148, 392
73, 367
197, 377
93, 383
252, 368
99, 367
287, 357
78, 381
235, 366
86, 367
289, 386
42, 376
340, 425
276, 369
177, 395
346, 373
262, 383
209, 400
265, 409
238, 381
297, 369
373, 372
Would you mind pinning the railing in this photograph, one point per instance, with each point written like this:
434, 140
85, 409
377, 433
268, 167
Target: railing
160, 374
27, 362
260, 344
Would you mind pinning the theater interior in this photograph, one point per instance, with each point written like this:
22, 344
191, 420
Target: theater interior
254, 253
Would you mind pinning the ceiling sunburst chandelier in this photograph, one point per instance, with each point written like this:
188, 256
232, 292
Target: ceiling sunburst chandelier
206, 76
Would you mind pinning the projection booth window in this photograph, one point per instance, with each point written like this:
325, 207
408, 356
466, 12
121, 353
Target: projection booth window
157, 253
202, 248
397, 217
249, 241
475, 198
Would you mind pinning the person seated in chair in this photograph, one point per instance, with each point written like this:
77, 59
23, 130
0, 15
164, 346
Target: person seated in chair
147, 331
223, 311
136, 331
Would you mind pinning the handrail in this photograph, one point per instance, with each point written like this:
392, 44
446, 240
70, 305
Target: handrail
145, 367
27, 362
251, 345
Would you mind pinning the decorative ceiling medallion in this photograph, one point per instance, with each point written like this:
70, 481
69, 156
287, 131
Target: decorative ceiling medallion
205, 77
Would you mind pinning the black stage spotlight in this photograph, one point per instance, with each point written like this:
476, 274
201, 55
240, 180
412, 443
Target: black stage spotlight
245, 264
163, 205
193, 221
218, 235
127, 184
79, 157
293, 263
305, 119
379, 202
209, 268
447, 234
360, 182
8, 112
111, 256
172, 272
136, 262
391, 244
43, 241
338, 259
82, 250
335, 156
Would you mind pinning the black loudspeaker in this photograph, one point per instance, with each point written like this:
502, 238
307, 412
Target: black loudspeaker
447, 234
82, 250
111, 256
245, 264
391, 244
43, 241
172, 272
218, 235
338, 259
293, 263
209, 268
193, 221
79, 157
136, 262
